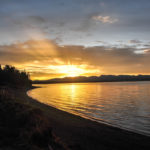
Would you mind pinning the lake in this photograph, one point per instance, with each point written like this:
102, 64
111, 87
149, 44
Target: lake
122, 104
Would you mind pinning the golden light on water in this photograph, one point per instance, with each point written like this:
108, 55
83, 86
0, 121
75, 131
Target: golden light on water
107, 102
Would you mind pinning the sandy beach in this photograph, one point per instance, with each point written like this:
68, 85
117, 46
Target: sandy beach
83, 134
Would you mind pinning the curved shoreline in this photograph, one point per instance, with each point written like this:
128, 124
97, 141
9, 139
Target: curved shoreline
80, 133
91, 119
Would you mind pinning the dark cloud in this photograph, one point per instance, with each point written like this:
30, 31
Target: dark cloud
112, 20
135, 41
29, 21
111, 60
36, 19
76, 22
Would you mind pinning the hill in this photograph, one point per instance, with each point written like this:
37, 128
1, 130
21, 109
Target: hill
102, 78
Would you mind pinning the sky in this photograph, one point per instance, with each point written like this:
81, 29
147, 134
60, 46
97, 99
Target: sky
60, 38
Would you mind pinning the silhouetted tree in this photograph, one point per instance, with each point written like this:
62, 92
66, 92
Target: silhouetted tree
9, 75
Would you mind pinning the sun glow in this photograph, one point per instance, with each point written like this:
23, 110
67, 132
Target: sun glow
71, 70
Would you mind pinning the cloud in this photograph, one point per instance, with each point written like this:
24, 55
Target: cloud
45, 58
147, 50
37, 19
86, 16
135, 41
30, 21
105, 19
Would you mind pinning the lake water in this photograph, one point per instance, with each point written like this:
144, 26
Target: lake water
122, 104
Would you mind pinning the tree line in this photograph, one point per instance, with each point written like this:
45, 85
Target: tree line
9, 75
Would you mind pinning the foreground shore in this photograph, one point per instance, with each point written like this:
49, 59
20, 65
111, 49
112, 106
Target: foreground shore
73, 132
83, 134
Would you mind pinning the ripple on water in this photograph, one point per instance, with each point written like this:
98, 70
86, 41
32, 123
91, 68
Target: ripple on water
123, 104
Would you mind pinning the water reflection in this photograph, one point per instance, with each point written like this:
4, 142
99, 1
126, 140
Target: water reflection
125, 104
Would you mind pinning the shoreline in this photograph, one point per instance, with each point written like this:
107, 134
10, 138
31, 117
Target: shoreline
80, 133
23, 126
90, 119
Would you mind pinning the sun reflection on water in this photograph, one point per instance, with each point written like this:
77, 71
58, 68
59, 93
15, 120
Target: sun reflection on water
122, 104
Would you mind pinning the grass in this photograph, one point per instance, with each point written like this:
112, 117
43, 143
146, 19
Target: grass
24, 127
26, 124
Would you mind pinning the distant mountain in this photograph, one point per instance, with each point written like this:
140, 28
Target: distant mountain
102, 78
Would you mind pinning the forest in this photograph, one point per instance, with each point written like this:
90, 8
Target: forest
11, 76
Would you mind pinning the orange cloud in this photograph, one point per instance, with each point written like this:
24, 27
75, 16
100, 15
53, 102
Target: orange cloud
45, 59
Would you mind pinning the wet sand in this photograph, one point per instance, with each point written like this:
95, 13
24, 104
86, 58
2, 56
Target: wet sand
83, 134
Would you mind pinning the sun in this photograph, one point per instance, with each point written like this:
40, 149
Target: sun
71, 70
